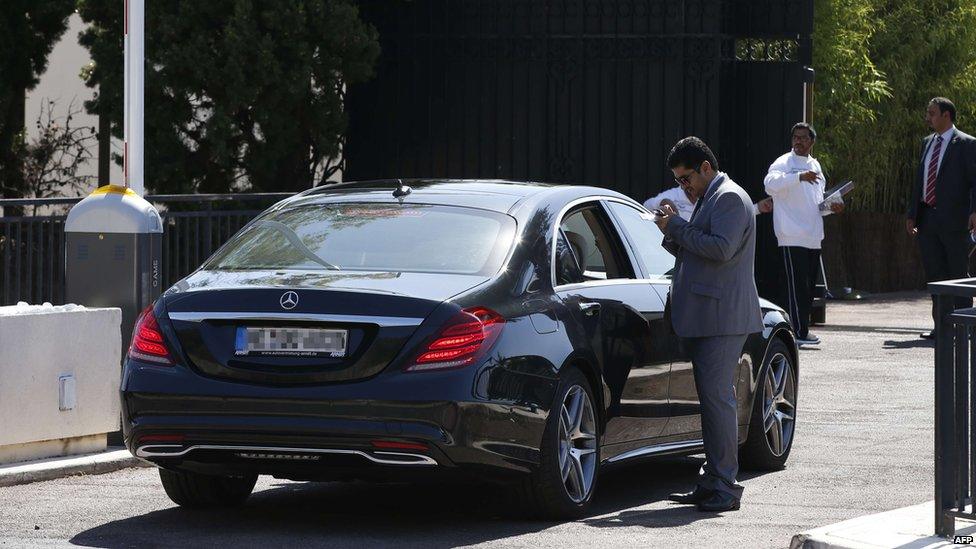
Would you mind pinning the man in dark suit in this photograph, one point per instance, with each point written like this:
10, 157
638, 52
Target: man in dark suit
942, 210
714, 307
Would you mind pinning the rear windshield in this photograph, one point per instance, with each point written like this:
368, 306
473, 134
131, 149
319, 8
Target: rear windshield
372, 237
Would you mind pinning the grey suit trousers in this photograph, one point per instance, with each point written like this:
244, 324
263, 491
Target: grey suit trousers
714, 361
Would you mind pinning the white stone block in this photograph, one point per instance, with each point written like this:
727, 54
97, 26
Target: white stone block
39, 346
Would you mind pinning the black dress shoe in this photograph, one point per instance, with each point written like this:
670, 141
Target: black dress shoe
699, 494
927, 335
719, 502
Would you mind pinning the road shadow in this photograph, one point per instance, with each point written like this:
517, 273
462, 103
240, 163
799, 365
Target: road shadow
651, 482
895, 330
909, 344
334, 514
398, 515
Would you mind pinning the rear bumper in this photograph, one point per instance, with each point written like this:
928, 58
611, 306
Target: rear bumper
178, 419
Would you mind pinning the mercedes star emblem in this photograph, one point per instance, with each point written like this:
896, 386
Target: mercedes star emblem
288, 300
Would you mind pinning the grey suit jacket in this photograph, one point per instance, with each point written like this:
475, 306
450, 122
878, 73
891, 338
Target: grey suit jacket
955, 186
713, 290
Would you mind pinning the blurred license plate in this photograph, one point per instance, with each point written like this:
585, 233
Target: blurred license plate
266, 341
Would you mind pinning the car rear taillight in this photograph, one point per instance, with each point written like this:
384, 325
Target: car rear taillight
395, 445
145, 439
147, 340
465, 338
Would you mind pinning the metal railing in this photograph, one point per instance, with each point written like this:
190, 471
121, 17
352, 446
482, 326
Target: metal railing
955, 394
194, 226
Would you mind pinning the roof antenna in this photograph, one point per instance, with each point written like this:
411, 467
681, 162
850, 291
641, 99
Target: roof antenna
401, 190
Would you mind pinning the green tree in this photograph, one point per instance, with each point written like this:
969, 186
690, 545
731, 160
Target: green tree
241, 94
878, 63
926, 48
849, 87
28, 31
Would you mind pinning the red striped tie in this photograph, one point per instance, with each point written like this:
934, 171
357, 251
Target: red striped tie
933, 173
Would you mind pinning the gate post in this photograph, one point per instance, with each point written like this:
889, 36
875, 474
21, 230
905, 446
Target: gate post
944, 416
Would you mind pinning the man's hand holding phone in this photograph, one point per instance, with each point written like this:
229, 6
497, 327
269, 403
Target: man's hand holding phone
663, 215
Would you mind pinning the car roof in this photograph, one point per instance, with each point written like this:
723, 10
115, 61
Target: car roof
490, 194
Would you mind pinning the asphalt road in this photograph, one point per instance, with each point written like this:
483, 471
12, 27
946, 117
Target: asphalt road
863, 445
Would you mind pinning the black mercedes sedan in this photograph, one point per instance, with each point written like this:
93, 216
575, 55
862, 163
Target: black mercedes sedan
395, 330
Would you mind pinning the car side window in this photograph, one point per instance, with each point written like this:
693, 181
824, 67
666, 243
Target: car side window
595, 245
646, 238
567, 265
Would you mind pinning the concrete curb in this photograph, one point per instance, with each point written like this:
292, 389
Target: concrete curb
53, 468
906, 528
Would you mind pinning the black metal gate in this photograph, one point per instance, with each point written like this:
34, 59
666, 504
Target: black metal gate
32, 247
955, 403
572, 91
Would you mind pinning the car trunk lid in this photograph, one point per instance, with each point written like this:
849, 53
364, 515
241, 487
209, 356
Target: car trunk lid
257, 326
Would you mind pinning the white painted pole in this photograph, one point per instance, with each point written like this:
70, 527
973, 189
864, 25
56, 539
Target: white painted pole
135, 94
125, 100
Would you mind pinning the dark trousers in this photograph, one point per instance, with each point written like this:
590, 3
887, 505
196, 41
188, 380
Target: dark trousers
801, 268
945, 254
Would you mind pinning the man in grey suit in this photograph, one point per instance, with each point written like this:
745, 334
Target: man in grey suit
714, 307
942, 210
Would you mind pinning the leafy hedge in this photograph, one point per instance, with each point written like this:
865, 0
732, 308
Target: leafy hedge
878, 63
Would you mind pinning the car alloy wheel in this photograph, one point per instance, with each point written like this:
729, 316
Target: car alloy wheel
779, 404
577, 444
563, 484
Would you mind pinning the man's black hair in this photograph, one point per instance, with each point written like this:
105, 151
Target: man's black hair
689, 153
945, 105
804, 126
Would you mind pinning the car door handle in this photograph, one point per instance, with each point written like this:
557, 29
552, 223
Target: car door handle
589, 308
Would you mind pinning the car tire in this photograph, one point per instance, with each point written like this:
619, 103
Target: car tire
550, 491
772, 423
195, 490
